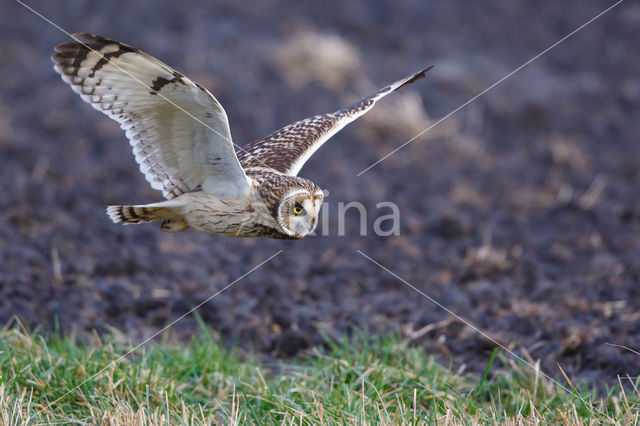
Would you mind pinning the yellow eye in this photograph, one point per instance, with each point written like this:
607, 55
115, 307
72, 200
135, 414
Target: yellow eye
297, 209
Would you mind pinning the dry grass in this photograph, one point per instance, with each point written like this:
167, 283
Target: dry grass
368, 380
324, 58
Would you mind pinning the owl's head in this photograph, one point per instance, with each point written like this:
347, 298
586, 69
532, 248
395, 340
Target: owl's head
298, 211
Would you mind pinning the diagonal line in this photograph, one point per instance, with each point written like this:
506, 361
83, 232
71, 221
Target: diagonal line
166, 327
581, 27
142, 83
479, 331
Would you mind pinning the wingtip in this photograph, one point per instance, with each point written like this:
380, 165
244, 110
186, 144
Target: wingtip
89, 41
85, 37
426, 70
414, 77
78, 38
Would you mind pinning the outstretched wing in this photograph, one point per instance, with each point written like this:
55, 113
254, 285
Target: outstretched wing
286, 150
178, 130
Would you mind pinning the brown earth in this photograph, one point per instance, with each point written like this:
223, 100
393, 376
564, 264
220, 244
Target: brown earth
520, 212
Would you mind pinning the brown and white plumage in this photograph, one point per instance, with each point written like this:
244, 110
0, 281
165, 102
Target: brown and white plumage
180, 137
178, 130
286, 150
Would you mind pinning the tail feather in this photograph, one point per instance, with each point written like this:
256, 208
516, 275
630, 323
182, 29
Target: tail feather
129, 215
167, 212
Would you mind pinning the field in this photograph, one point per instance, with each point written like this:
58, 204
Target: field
518, 200
362, 380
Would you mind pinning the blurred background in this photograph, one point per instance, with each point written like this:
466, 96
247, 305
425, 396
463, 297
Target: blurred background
521, 212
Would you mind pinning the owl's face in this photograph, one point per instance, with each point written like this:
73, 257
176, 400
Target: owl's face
298, 212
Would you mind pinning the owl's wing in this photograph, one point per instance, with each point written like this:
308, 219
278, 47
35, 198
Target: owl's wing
178, 130
286, 150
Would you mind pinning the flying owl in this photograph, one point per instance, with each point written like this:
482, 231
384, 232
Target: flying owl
180, 137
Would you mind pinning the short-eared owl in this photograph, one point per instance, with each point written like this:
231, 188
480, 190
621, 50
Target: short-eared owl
181, 140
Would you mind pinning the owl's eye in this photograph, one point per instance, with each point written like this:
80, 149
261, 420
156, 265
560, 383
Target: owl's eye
297, 209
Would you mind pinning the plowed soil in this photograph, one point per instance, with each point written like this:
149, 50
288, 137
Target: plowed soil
520, 212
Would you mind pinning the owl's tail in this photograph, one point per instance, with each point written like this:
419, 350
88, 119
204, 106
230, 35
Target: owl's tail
129, 215
169, 215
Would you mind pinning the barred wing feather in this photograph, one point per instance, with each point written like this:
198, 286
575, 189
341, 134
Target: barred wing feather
179, 132
286, 150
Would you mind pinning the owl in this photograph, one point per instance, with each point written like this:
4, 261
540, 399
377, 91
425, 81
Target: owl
181, 140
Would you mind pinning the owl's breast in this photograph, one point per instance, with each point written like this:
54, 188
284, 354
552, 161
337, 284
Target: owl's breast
247, 216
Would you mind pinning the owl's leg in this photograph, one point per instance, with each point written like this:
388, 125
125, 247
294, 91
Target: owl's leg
174, 225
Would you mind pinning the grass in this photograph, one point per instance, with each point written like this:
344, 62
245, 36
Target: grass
367, 380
